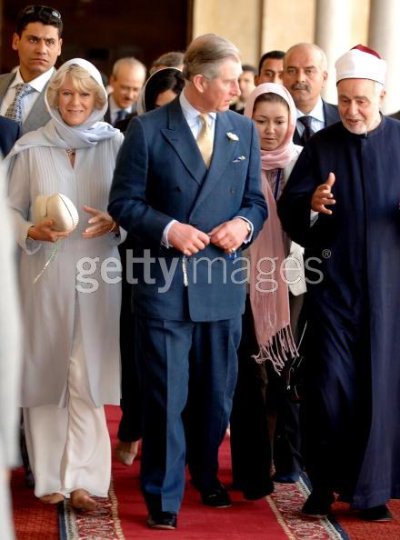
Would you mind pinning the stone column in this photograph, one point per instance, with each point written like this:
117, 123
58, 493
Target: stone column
384, 37
332, 34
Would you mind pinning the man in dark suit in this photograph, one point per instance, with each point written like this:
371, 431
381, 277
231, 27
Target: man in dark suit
304, 75
126, 81
190, 212
9, 133
37, 38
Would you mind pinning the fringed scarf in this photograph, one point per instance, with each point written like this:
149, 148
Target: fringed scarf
269, 294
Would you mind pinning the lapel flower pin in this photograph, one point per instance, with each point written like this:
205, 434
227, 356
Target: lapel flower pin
232, 136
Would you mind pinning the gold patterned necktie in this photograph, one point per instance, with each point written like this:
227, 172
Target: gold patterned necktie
204, 139
14, 111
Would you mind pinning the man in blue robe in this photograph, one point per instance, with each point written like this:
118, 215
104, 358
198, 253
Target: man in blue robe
348, 177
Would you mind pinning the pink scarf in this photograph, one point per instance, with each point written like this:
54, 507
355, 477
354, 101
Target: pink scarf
269, 294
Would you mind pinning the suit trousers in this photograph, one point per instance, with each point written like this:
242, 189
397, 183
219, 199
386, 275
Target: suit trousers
189, 372
69, 448
130, 426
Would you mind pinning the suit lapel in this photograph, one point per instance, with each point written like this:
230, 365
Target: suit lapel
181, 139
5, 82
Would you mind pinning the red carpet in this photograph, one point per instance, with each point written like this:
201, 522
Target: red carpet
245, 520
33, 520
123, 515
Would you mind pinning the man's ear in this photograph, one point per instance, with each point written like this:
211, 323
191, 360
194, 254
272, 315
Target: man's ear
382, 96
200, 82
15, 41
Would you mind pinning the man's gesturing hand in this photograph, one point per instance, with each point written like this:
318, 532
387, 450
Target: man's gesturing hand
323, 197
187, 239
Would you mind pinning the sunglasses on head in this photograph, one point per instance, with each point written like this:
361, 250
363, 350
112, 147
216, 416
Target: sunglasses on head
38, 11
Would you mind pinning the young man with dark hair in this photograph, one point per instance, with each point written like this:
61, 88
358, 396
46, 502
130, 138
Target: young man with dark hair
37, 39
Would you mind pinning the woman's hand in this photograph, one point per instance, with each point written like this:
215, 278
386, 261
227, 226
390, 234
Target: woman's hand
44, 232
101, 223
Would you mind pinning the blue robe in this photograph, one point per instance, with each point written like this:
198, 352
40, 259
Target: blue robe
352, 404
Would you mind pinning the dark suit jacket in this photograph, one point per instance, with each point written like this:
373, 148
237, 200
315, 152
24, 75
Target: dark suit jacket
122, 125
160, 175
395, 115
331, 116
38, 116
9, 133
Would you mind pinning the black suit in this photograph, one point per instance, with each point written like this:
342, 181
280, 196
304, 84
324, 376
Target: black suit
9, 133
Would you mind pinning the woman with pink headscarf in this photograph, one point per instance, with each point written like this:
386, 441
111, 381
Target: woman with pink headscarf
267, 339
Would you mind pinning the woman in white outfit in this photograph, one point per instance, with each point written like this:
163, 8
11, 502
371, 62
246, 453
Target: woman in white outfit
70, 290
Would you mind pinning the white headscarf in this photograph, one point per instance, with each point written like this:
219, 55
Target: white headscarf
56, 133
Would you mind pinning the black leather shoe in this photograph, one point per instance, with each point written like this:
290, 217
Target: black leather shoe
162, 520
217, 498
376, 513
317, 506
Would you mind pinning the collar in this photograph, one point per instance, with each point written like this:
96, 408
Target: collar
114, 107
38, 83
317, 112
190, 113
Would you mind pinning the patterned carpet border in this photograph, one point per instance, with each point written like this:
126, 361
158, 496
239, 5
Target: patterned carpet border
100, 524
286, 502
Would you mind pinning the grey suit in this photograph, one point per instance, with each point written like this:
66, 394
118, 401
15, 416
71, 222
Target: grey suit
38, 116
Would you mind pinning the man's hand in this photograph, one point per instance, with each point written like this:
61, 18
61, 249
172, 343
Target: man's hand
230, 235
187, 239
323, 197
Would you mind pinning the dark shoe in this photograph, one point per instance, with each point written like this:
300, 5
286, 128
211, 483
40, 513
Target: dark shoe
376, 513
255, 494
290, 478
317, 506
162, 520
217, 498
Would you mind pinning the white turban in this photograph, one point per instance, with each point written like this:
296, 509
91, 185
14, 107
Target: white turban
361, 63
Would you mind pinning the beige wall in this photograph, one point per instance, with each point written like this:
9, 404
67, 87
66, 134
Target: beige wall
237, 20
287, 22
257, 26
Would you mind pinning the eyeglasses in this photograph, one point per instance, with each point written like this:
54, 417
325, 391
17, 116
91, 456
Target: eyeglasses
38, 11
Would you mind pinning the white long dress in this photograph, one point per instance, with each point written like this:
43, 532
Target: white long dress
70, 316
49, 304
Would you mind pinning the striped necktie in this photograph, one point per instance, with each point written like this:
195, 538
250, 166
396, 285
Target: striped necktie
14, 111
204, 139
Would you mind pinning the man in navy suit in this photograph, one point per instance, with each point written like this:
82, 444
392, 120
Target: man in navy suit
190, 221
304, 75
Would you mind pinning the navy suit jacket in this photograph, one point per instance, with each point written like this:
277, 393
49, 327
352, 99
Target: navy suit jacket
331, 116
9, 133
160, 175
